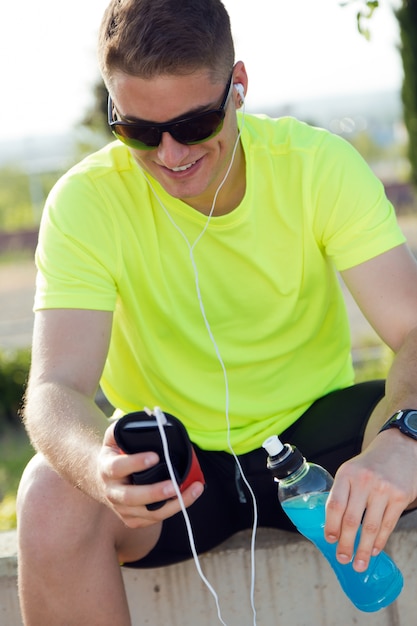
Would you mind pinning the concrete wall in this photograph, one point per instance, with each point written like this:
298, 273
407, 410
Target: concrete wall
294, 585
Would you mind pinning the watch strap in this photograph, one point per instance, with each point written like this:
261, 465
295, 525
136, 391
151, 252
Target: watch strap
398, 421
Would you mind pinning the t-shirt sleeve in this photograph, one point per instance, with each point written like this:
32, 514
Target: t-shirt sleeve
77, 254
353, 219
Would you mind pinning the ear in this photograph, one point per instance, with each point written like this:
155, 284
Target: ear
240, 83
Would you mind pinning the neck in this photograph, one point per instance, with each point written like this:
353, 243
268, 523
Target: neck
229, 192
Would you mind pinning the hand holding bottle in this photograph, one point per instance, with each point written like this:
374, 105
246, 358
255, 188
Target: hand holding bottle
371, 487
303, 490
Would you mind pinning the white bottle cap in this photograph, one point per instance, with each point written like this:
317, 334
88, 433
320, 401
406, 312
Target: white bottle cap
273, 445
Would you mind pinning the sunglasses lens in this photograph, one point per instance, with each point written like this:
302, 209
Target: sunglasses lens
191, 131
139, 138
198, 129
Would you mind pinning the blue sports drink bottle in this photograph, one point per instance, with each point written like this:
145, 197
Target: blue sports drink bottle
303, 489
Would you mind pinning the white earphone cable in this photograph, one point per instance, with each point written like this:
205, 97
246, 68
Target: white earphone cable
159, 413
161, 420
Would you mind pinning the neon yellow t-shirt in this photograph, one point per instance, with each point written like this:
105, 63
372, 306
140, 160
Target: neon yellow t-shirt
267, 273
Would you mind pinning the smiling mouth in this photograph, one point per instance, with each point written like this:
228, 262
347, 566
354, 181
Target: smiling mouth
182, 168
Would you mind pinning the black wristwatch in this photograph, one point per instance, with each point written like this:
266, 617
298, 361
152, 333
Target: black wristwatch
405, 420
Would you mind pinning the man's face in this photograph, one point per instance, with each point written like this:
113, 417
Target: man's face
191, 173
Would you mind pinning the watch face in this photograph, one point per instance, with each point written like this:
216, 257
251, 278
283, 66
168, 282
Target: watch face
410, 420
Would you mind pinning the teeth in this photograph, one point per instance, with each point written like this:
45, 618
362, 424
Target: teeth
182, 168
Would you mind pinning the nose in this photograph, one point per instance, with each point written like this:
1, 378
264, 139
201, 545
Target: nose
171, 153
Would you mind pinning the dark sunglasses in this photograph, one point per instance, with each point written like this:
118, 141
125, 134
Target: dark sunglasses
190, 130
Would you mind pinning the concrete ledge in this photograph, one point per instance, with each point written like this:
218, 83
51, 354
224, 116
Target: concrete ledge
9, 603
294, 584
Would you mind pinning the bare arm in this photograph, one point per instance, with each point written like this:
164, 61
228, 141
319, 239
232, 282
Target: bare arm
385, 289
63, 421
66, 426
382, 481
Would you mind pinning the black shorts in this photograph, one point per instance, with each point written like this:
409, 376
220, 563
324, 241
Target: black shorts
328, 433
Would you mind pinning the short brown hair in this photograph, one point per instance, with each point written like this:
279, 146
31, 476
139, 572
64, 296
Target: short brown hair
147, 38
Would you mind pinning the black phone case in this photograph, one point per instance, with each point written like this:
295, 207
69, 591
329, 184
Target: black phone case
139, 432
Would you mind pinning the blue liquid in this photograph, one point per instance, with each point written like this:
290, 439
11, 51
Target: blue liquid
369, 591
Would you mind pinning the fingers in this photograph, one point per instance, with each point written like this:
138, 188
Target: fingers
378, 523
115, 466
129, 501
360, 495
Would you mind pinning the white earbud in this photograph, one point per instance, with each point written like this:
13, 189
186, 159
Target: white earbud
239, 88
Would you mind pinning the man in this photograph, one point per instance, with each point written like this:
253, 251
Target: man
192, 266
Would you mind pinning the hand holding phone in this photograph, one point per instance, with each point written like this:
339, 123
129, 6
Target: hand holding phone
139, 432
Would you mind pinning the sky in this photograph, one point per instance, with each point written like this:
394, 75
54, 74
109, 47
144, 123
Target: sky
293, 50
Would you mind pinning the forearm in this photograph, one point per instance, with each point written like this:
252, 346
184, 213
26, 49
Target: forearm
67, 427
371, 487
400, 390
401, 384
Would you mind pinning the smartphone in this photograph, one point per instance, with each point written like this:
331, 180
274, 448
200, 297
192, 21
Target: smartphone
139, 432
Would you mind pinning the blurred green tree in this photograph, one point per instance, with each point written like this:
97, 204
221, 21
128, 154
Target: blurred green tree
96, 117
14, 371
15, 204
22, 195
94, 121
406, 15
407, 19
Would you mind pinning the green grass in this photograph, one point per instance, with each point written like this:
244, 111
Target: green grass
374, 368
15, 452
16, 256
